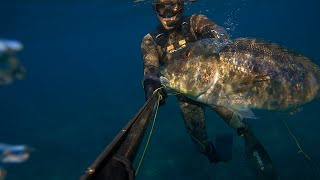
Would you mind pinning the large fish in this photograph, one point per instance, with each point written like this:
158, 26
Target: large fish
242, 75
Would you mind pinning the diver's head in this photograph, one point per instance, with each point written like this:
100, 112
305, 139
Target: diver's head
169, 12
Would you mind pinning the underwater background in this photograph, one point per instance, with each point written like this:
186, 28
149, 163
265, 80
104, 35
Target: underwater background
83, 84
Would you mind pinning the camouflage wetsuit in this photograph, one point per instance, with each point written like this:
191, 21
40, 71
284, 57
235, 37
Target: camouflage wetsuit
156, 51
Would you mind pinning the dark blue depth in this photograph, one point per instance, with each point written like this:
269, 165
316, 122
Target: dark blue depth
83, 83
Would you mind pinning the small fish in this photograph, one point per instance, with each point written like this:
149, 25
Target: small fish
14, 153
10, 46
242, 75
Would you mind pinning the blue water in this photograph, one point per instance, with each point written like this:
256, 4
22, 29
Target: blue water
83, 83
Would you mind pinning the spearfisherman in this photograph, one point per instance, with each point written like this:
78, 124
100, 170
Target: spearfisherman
174, 32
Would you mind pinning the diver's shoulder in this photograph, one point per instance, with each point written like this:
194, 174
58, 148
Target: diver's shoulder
147, 41
149, 37
146, 37
198, 17
156, 31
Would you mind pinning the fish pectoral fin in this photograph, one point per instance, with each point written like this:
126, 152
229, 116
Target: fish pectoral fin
242, 112
243, 85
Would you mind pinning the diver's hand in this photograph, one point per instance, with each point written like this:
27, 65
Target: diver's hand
150, 86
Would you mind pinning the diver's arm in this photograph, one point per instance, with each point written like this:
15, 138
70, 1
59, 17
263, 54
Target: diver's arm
151, 65
229, 117
203, 28
150, 58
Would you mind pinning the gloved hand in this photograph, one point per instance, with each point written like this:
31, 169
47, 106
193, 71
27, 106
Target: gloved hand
150, 86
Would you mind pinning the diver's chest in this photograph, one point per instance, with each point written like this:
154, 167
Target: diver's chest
174, 44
